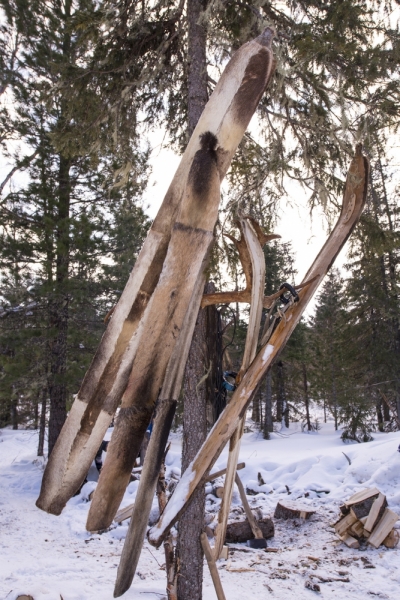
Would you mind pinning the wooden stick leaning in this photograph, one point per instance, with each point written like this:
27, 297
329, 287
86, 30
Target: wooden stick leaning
226, 117
258, 534
212, 566
256, 256
162, 424
353, 203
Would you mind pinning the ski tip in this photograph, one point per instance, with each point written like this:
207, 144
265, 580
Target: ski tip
265, 38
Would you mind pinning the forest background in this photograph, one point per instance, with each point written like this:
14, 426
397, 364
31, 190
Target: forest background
83, 87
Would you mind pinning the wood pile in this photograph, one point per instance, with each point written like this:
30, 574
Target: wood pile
366, 517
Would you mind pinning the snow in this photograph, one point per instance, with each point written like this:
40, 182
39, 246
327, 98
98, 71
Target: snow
51, 557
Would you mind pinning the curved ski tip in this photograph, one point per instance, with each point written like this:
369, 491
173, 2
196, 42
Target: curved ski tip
266, 37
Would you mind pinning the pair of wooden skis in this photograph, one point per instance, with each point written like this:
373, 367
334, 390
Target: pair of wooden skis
145, 346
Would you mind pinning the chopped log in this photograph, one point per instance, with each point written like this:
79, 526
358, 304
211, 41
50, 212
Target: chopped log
224, 552
212, 566
124, 513
383, 528
376, 512
343, 525
362, 509
219, 492
292, 510
24, 597
353, 204
222, 472
357, 529
361, 496
239, 532
350, 541
344, 509
392, 539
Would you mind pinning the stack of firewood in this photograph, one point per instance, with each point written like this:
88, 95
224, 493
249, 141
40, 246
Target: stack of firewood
366, 517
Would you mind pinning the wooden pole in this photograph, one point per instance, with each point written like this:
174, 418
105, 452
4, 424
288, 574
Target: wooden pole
212, 566
257, 268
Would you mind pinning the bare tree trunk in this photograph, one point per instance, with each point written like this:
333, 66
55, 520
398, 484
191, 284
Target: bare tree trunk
306, 398
14, 413
268, 422
379, 414
42, 428
59, 311
189, 549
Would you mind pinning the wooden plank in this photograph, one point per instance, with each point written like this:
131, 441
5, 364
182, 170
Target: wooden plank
225, 116
383, 528
356, 185
376, 512
212, 566
222, 472
124, 513
344, 524
361, 496
350, 541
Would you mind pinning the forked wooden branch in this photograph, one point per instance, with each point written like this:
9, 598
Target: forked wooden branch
257, 282
353, 203
128, 364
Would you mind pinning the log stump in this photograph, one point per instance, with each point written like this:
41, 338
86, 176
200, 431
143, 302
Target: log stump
291, 510
239, 532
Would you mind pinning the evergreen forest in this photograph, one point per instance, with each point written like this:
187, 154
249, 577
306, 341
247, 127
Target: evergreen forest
83, 84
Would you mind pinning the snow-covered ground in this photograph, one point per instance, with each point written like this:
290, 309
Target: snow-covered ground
52, 557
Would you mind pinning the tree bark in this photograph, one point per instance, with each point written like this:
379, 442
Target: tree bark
268, 422
59, 304
42, 427
189, 549
59, 310
306, 398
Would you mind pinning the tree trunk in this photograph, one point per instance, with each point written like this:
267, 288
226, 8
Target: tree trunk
282, 409
42, 428
58, 308
59, 311
306, 398
268, 422
14, 413
379, 414
189, 548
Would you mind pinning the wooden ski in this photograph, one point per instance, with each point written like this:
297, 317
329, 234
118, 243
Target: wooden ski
353, 203
257, 260
225, 118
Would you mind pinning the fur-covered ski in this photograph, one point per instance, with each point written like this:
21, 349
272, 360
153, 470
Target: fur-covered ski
175, 251
353, 203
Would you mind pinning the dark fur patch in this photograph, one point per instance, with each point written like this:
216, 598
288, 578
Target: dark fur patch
254, 82
204, 162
